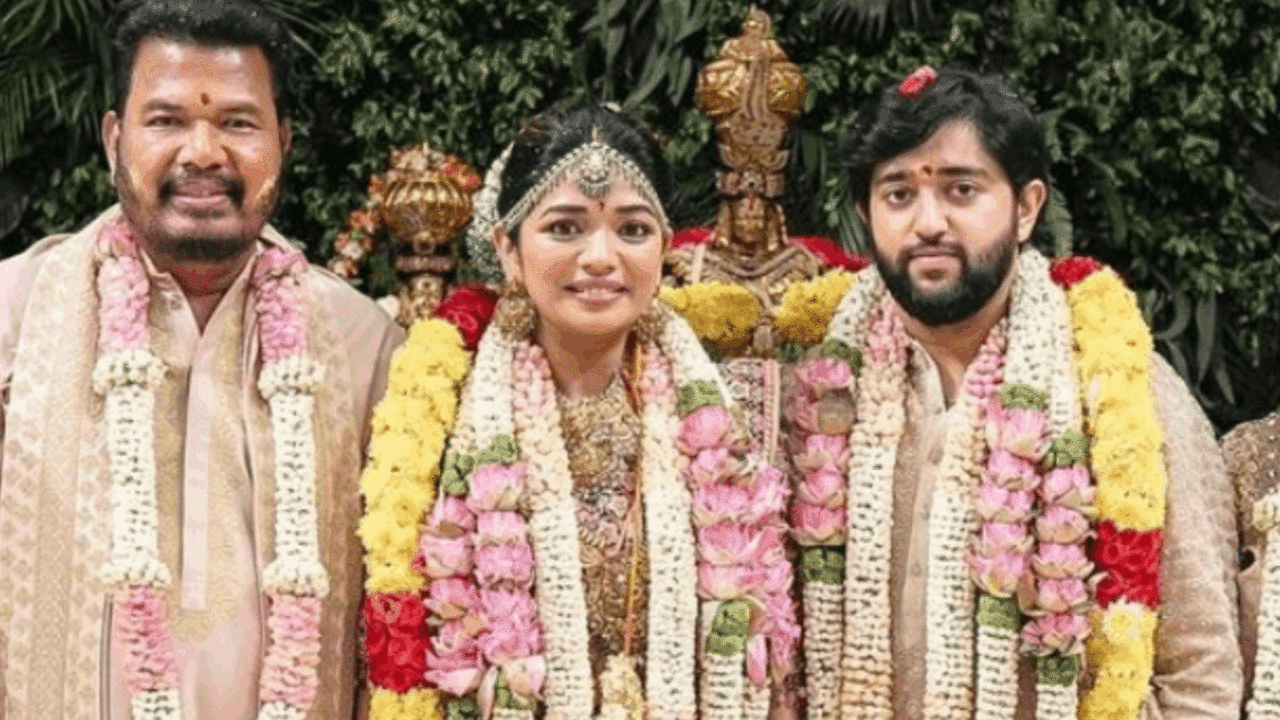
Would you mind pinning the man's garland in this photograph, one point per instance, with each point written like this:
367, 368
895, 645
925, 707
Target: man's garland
127, 373
1033, 487
507, 459
410, 429
1113, 358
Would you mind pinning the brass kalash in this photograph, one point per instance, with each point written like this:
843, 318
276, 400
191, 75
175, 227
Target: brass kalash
424, 201
753, 94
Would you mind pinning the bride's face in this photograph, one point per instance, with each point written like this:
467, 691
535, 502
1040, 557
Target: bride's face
591, 266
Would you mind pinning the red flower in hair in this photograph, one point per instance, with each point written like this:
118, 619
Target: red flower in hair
914, 85
468, 308
1071, 270
1131, 560
395, 640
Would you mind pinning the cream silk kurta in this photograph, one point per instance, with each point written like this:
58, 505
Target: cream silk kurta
1197, 664
213, 443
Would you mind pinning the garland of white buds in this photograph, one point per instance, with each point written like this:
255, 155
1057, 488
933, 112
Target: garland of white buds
127, 373
511, 393
1265, 701
1039, 356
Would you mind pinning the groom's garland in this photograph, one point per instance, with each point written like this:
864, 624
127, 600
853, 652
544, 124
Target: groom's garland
1030, 488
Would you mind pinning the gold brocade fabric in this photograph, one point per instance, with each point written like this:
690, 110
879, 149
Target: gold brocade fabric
602, 437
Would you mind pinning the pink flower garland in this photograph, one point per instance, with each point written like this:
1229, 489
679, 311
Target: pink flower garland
142, 629
477, 554
123, 293
1059, 600
822, 413
141, 611
289, 668
738, 521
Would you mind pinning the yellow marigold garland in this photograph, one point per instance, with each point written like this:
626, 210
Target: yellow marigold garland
410, 427
807, 307
417, 704
721, 314
1113, 349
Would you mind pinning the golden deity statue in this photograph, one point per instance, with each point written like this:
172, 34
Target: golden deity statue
424, 200
752, 93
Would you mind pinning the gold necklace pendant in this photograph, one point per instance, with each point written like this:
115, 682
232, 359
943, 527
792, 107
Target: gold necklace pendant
621, 694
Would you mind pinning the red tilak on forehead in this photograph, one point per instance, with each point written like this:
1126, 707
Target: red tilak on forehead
926, 169
204, 98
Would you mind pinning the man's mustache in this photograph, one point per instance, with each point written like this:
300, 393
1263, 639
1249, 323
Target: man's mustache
230, 185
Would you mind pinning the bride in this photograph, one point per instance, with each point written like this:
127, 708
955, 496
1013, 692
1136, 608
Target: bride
603, 544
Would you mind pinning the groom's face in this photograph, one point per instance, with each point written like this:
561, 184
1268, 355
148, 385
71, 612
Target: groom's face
946, 224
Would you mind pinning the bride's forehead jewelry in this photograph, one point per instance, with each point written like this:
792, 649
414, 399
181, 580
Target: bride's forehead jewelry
594, 165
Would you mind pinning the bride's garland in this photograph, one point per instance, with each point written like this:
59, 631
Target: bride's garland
127, 373
1033, 485
485, 653
410, 428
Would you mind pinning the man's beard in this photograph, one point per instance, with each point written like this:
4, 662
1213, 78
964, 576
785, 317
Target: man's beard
977, 283
195, 247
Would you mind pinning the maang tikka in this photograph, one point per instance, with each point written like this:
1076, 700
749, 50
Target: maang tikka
595, 163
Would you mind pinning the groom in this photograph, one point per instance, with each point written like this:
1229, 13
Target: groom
951, 176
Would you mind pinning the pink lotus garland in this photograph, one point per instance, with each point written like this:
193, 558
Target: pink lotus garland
1026, 477
738, 520
1059, 598
822, 413
476, 553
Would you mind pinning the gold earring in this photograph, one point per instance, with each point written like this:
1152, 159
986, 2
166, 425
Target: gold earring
649, 324
515, 315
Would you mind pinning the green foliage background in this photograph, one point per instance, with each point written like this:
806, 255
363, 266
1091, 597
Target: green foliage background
1161, 115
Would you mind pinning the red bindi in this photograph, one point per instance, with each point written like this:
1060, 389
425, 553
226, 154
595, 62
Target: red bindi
204, 98
927, 170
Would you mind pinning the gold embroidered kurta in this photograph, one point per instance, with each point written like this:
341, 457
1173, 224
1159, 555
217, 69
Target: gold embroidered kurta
215, 485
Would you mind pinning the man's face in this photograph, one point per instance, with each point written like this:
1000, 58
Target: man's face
197, 155
946, 225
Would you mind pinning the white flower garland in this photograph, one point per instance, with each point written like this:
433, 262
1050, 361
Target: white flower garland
1265, 701
553, 528
296, 569
128, 380
1039, 355
672, 567
490, 408
867, 662
823, 630
127, 374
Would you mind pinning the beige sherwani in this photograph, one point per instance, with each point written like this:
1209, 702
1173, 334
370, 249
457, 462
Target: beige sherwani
1197, 664
214, 458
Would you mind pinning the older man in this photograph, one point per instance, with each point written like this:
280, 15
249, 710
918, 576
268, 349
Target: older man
186, 405
1036, 521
